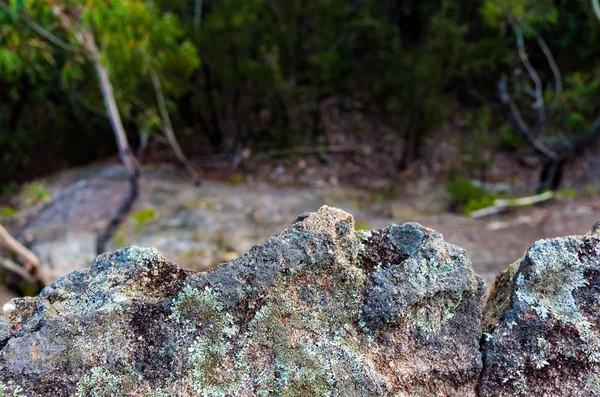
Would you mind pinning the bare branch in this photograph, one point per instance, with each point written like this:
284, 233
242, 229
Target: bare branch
11, 266
596, 5
40, 30
168, 128
551, 62
533, 74
9, 241
522, 126
530, 91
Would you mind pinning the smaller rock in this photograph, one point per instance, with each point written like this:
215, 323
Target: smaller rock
541, 322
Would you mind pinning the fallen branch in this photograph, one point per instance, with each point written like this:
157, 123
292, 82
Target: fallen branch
11, 266
501, 205
31, 270
18, 248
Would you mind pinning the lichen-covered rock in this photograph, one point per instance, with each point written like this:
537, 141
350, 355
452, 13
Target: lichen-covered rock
541, 322
318, 310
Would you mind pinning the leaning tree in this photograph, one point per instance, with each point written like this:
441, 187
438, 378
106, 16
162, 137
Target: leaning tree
553, 118
115, 37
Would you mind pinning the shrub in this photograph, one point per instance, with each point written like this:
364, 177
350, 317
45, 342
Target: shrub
466, 197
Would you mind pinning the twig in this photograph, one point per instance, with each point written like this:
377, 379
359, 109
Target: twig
551, 62
168, 128
525, 61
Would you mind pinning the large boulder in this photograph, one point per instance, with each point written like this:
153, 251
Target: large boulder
541, 322
318, 310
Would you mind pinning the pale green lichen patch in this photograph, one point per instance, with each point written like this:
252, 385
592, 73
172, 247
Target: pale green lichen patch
542, 316
592, 383
431, 317
102, 383
211, 369
554, 269
5, 391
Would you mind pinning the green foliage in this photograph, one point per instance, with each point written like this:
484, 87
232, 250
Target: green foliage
268, 66
144, 216
36, 192
477, 141
526, 13
7, 213
237, 178
466, 197
568, 193
509, 139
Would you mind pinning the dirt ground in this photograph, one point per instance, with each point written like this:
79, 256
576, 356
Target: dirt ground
199, 227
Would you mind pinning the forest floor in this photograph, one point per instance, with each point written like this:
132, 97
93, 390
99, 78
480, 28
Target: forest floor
199, 227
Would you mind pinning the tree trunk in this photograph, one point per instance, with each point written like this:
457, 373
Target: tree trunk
558, 175
216, 135
168, 129
86, 38
123, 145
547, 176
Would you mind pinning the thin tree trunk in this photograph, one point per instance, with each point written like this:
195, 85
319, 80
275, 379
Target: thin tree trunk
596, 5
546, 175
86, 38
216, 136
168, 128
197, 14
558, 175
119, 216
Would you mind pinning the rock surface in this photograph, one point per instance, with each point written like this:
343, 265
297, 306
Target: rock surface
541, 323
318, 310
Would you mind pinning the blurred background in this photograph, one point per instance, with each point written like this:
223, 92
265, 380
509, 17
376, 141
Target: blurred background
201, 127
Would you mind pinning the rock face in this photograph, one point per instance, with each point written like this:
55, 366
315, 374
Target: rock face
318, 310
541, 323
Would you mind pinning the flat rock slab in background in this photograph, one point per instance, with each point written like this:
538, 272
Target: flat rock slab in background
318, 310
198, 227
